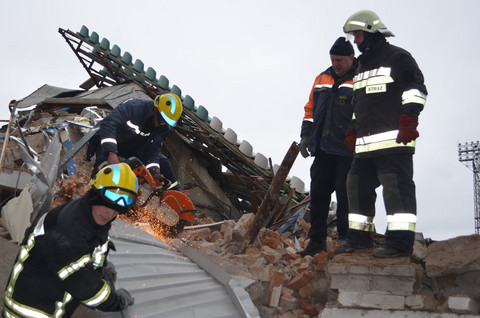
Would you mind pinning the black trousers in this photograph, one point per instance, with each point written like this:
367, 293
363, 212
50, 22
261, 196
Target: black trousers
328, 173
395, 173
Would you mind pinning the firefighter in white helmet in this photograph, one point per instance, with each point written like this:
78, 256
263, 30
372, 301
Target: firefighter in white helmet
61, 262
389, 94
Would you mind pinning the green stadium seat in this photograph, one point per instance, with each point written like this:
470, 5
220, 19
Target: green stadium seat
105, 44
176, 90
116, 51
202, 113
138, 66
163, 82
151, 74
94, 38
189, 103
127, 58
84, 32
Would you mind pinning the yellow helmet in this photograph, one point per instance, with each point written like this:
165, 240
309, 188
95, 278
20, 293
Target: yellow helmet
170, 107
117, 185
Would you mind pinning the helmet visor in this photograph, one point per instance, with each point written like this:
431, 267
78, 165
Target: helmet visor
119, 196
349, 36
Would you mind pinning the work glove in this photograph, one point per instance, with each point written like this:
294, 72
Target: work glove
109, 273
350, 140
305, 146
159, 179
112, 158
125, 298
407, 129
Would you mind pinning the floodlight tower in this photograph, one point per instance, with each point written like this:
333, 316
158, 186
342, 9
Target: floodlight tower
469, 155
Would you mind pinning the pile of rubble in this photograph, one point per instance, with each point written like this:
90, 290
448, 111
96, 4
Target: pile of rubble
439, 280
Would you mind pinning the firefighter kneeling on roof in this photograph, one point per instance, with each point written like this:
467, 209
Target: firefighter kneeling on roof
62, 259
138, 128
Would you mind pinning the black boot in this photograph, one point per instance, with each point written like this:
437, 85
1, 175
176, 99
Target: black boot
385, 251
397, 244
355, 240
313, 248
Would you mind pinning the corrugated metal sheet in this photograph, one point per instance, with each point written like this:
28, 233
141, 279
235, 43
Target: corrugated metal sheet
166, 283
113, 95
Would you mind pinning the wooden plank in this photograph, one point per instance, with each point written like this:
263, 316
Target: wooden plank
264, 211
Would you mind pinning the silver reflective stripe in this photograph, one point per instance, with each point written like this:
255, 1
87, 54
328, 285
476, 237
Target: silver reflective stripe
382, 145
414, 96
25, 311
346, 85
362, 24
98, 254
137, 129
24, 253
153, 164
372, 81
73, 267
377, 137
401, 222
380, 141
112, 140
360, 222
381, 71
60, 305
308, 119
99, 297
323, 86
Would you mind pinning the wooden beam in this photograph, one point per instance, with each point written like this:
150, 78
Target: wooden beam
264, 211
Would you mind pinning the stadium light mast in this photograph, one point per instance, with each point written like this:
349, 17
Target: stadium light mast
469, 155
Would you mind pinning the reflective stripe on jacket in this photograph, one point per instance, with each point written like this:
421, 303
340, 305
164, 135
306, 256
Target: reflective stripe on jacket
388, 83
328, 113
128, 131
59, 265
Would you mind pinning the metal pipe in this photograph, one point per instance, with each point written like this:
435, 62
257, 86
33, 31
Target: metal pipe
13, 108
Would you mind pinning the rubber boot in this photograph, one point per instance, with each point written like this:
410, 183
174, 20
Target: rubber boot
355, 240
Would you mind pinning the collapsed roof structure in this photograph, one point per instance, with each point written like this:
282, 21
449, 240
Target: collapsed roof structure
45, 143
222, 174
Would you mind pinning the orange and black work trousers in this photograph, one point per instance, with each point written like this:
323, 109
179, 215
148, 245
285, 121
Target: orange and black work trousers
395, 173
328, 173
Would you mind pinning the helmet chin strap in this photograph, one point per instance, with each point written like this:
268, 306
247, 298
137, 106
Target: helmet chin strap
369, 39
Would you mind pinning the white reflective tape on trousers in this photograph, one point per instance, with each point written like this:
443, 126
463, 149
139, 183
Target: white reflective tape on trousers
360, 222
401, 222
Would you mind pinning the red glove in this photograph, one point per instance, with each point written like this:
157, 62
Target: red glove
350, 140
407, 129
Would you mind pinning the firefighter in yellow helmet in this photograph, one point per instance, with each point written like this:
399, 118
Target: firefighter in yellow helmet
138, 128
61, 262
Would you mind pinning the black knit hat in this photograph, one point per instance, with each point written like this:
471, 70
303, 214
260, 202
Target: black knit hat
342, 47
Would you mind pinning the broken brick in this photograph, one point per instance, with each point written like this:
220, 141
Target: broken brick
298, 281
274, 290
288, 302
306, 291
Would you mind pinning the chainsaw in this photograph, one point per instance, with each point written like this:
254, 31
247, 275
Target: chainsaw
172, 209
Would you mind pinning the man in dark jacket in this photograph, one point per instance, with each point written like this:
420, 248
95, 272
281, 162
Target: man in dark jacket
138, 128
61, 259
327, 115
389, 94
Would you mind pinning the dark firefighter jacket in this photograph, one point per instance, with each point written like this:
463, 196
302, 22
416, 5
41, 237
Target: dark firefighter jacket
328, 112
129, 131
388, 83
59, 265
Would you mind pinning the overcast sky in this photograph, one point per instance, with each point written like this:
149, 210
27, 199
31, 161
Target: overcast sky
252, 64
